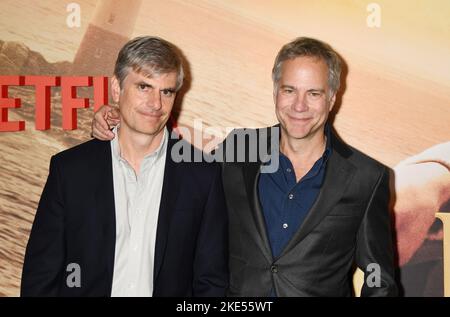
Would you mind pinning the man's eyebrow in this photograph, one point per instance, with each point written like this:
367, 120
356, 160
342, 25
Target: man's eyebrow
143, 83
287, 86
170, 89
316, 90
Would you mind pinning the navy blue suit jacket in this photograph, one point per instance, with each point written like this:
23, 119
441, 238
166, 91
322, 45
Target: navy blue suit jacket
75, 223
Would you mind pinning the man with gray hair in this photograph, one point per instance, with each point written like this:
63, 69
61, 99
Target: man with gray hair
122, 218
299, 230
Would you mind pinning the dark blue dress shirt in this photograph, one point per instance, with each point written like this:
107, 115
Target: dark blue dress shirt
285, 203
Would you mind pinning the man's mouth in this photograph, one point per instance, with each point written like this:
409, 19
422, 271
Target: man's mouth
299, 119
150, 114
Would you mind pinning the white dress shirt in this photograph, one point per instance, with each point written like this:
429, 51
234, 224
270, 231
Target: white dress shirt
137, 199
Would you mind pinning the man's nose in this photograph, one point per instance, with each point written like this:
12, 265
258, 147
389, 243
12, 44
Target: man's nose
300, 103
154, 100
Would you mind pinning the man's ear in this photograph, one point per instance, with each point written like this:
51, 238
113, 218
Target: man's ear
115, 89
332, 101
275, 92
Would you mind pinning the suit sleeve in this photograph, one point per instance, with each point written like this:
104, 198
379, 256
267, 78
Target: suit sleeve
374, 248
44, 256
211, 256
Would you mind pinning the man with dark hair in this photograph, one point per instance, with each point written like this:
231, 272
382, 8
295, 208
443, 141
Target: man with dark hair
123, 215
299, 229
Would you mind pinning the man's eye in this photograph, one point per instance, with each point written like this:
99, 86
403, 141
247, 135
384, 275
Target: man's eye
167, 92
288, 91
315, 94
143, 87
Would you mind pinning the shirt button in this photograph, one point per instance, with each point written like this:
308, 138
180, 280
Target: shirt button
285, 225
291, 196
135, 248
274, 269
288, 170
130, 286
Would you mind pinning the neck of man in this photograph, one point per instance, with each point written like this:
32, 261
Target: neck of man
303, 153
134, 146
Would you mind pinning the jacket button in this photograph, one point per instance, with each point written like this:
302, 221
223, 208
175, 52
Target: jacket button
274, 269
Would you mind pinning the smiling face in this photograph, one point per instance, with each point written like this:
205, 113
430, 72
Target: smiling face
302, 97
145, 103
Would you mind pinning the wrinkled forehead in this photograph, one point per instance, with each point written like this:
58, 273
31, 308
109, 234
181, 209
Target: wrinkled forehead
149, 71
304, 68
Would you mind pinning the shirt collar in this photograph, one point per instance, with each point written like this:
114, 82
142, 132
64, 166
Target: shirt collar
329, 145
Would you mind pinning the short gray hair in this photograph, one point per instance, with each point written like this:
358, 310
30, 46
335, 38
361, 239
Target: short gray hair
151, 56
304, 46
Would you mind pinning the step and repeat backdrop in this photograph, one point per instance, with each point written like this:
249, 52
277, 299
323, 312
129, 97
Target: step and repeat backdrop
394, 104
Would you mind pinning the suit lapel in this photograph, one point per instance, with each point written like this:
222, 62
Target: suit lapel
170, 190
251, 173
251, 176
104, 203
338, 175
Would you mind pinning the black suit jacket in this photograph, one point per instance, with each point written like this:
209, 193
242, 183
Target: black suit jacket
348, 224
75, 223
